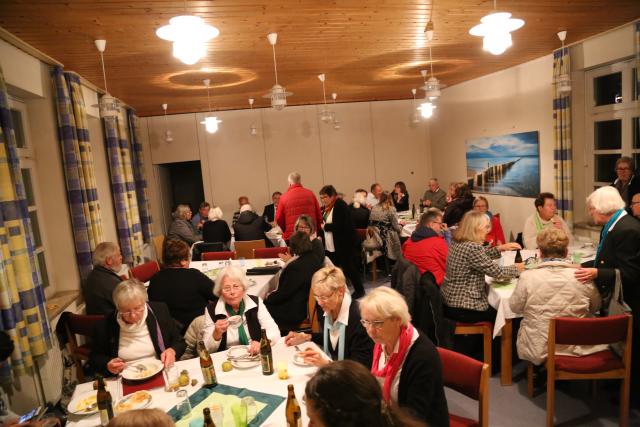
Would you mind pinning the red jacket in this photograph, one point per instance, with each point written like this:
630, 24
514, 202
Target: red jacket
296, 201
429, 254
496, 234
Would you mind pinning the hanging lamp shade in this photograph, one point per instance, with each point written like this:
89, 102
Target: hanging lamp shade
496, 29
278, 94
189, 35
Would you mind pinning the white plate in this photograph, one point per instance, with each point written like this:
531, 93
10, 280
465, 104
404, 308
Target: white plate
299, 360
83, 400
245, 363
152, 367
237, 351
138, 400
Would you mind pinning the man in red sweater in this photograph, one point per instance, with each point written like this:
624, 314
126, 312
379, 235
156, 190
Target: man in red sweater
427, 248
296, 201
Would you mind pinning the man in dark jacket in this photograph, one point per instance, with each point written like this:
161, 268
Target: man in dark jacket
269, 213
103, 279
427, 248
250, 226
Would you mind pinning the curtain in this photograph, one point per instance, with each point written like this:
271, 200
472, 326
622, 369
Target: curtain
22, 303
138, 174
562, 154
77, 159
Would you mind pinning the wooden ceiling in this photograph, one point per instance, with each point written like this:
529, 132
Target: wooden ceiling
368, 49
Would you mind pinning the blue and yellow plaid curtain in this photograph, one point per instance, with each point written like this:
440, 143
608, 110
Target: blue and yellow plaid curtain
22, 303
562, 154
138, 174
77, 158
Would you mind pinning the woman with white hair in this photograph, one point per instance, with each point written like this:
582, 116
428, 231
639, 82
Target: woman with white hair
405, 362
216, 229
358, 209
251, 226
181, 228
236, 318
136, 330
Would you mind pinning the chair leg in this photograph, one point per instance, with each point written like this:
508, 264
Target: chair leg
529, 379
624, 402
374, 271
486, 343
551, 391
79, 370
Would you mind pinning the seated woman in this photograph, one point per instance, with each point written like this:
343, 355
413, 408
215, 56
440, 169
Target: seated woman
358, 209
461, 202
400, 196
251, 226
346, 394
405, 362
494, 237
464, 288
385, 218
136, 330
342, 336
181, 228
305, 224
221, 331
186, 291
551, 290
216, 229
288, 303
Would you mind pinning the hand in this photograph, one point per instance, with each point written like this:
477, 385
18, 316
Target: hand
519, 266
509, 247
586, 274
285, 256
557, 223
168, 357
295, 338
115, 366
254, 348
312, 357
426, 202
221, 327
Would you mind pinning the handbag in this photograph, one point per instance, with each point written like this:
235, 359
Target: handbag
616, 306
373, 240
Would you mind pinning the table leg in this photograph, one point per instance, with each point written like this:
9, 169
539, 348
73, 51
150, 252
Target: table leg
506, 370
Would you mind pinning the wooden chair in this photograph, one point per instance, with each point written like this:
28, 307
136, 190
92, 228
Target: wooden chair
480, 328
78, 324
601, 365
158, 245
218, 256
362, 234
269, 252
469, 377
244, 249
311, 323
144, 272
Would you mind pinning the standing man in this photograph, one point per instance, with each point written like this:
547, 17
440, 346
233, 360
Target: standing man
103, 279
427, 249
296, 201
242, 200
269, 213
199, 219
545, 216
635, 205
627, 184
434, 197
373, 198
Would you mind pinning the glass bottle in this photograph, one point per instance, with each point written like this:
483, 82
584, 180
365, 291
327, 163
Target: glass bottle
518, 258
105, 403
206, 365
208, 421
293, 414
266, 357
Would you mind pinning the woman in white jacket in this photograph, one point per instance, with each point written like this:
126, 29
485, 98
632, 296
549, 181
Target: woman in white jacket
550, 290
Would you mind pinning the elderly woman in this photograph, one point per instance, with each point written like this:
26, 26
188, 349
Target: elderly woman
186, 291
342, 336
358, 209
496, 235
551, 290
236, 318
216, 229
136, 330
405, 362
464, 288
461, 202
385, 218
181, 228
251, 226
305, 224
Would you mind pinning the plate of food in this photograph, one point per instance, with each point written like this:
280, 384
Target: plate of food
240, 357
298, 359
138, 400
142, 369
84, 404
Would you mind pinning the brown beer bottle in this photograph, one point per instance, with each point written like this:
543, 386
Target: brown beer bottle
105, 403
518, 258
206, 365
294, 416
266, 358
208, 421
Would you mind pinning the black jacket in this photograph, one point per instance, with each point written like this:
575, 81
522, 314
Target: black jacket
403, 204
97, 290
358, 345
250, 226
288, 304
344, 234
455, 210
269, 213
251, 316
106, 337
421, 389
634, 188
216, 231
359, 216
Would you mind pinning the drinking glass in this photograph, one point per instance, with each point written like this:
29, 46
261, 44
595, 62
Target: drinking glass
282, 368
217, 413
239, 412
171, 378
252, 409
184, 406
205, 267
242, 261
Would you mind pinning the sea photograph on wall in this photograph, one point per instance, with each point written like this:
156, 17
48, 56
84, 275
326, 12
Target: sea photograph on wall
508, 164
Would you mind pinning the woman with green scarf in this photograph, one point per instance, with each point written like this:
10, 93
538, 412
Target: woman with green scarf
236, 318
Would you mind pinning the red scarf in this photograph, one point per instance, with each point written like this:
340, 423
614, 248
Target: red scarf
394, 363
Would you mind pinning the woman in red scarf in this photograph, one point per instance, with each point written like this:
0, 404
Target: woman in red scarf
405, 362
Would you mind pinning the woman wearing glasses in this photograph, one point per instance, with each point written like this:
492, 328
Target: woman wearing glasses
405, 362
236, 318
136, 330
342, 335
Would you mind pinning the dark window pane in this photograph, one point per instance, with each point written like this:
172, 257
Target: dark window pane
608, 89
18, 127
43, 269
608, 135
28, 187
636, 161
35, 226
605, 167
636, 132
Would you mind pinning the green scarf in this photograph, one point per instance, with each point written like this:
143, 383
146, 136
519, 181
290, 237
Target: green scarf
242, 335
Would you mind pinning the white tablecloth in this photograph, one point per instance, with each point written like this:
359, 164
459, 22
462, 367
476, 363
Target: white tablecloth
261, 286
246, 378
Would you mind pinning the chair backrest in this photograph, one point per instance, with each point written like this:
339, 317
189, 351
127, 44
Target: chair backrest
244, 249
144, 272
199, 248
362, 233
158, 245
191, 337
269, 252
218, 256
312, 312
82, 324
590, 331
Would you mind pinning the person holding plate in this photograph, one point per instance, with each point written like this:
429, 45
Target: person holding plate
236, 318
342, 336
136, 330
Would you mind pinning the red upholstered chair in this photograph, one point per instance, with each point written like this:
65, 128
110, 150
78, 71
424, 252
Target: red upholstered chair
77, 324
601, 365
471, 378
269, 252
218, 256
144, 272
480, 328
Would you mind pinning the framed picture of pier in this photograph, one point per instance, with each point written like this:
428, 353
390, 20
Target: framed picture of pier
508, 164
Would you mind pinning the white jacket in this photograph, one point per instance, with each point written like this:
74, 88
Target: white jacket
550, 290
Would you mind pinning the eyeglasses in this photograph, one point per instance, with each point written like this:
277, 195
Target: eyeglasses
136, 310
302, 227
635, 203
375, 324
437, 222
324, 297
623, 169
232, 287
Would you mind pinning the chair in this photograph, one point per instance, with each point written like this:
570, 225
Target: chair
269, 252
218, 256
191, 337
158, 244
144, 272
601, 365
469, 377
81, 325
244, 249
362, 234
311, 323
479, 328
199, 248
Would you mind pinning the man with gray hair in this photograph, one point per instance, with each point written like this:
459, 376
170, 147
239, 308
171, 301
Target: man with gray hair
296, 201
627, 184
434, 197
103, 279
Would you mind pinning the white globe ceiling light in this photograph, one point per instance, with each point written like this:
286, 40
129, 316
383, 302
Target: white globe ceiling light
278, 94
563, 81
426, 109
189, 35
210, 122
326, 116
108, 105
496, 29
253, 130
168, 136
